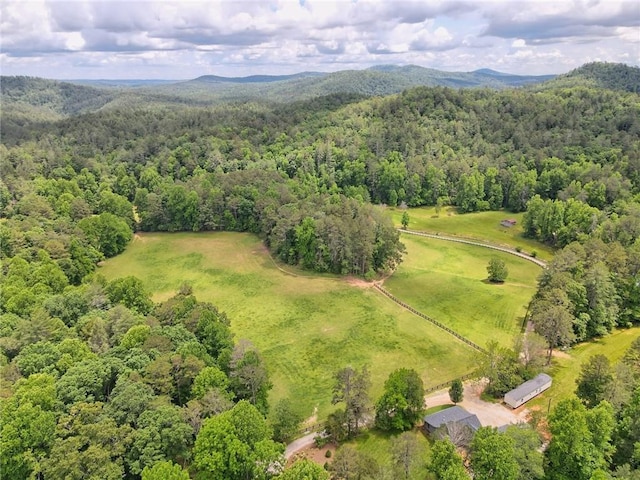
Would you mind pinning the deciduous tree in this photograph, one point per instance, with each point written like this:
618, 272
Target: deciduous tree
493, 455
402, 402
352, 388
446, 463
497, 270
595, 380
236, 445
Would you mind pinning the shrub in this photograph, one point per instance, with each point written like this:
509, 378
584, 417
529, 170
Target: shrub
321, 440
327, 454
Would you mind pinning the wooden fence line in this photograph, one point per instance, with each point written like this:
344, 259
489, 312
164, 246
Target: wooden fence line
437, 236
429, 319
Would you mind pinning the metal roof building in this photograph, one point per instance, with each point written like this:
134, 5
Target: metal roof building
451, 415
529, 389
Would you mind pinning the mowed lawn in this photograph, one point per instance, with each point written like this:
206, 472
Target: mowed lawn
306, 326
482, 226
447, 281
566, 366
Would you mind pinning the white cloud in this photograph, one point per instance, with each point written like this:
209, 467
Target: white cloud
117, 38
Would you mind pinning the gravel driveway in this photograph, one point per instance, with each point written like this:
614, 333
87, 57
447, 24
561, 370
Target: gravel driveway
489, 414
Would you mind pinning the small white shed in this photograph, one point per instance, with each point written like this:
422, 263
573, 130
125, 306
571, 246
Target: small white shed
527, 390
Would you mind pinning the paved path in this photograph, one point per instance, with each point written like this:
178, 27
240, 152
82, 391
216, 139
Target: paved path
511, 251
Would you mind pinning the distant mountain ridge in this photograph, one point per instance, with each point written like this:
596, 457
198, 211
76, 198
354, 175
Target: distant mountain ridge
28, 99
257, 78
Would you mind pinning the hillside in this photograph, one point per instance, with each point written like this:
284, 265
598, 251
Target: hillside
376, 81
278, 214
58, 98
610, 76
37, 98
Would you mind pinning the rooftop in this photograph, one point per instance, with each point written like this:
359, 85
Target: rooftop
453, 415
529, 386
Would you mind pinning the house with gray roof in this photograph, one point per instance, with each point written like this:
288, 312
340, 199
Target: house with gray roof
451, 416
529, 389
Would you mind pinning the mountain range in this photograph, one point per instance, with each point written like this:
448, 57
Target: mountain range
29, 99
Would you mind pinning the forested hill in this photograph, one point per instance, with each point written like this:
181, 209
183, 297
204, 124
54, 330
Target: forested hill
95, 377
48, 99
612, 76
51, 97
381, 80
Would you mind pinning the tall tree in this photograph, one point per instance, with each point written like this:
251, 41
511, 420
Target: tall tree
352, 388
237, 445
304, 470
351, 464
595, 380
580, 442
493, 455
528, 453
166, 471
553, 321
285, 420
446, 463
404, 454
627, 433
248, 375
401, 404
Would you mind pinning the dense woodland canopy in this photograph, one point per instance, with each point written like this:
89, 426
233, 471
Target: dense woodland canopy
85, 361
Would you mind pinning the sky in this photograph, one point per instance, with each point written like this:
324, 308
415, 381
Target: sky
115, 39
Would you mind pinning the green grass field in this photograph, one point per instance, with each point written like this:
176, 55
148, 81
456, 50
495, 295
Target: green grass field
379, 444
565, 367
484, 226
447, 281
306, 327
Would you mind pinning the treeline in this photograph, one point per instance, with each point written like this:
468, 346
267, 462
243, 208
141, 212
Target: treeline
325, 232
106, 385
302, 175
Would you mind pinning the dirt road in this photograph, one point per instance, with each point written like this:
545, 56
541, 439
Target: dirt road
299, 444
489, 414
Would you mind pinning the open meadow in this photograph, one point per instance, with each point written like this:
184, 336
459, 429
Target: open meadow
447, 281
566, 366
306, 326
482, 226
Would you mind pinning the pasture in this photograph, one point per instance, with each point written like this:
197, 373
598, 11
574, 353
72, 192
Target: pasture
306, 326
482, 226
566, 366
447, 281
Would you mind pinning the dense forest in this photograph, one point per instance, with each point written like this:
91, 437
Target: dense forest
98, 382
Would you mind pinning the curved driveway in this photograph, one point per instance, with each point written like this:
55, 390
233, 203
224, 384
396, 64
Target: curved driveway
511, 251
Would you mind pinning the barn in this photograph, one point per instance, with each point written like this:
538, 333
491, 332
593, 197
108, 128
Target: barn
529, 389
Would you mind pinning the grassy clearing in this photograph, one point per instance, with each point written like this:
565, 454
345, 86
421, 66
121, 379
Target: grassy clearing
484, 226
379, 445
565, 368
447, 281
307, 327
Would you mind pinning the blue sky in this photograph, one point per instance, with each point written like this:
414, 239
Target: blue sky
77, 39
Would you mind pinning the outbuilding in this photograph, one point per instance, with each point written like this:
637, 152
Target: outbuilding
508, 222
529, 389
